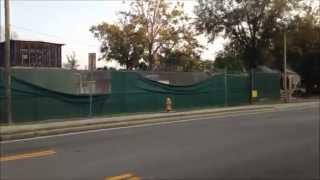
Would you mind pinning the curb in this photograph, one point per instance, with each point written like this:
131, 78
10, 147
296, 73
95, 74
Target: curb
56, 128
30, 131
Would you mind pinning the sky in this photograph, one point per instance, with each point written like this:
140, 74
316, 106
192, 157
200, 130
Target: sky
68, 22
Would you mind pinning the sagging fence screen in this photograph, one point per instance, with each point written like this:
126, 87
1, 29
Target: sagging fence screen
42, 94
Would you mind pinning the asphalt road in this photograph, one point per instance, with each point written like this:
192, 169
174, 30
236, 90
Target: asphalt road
278, 145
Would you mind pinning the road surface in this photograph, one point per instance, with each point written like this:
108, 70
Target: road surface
271, 145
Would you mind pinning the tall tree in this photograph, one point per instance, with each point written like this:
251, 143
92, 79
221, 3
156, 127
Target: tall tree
303, 34
228, 61
72, 62
180, 60
248, 24
166, 27
123, 43
184, 55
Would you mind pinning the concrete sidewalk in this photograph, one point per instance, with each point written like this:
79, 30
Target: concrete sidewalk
61, 127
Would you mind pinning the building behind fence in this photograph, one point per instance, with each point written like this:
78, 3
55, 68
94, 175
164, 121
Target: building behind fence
32, 54
42, 94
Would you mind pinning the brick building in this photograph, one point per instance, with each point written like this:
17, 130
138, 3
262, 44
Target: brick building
33, 54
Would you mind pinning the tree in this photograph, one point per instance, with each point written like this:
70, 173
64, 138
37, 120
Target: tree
249, 24
180, 60
229, 62
123, 43
72, 62
303, 34
184, 54
207, 66
147, 35
166, 28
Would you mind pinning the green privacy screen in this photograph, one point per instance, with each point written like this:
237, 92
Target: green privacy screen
268, 85
35, 96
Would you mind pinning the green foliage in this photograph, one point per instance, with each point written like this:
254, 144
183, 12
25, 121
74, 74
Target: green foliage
181, 61
148, 33
303, 42
255, 30
228, 62
72, 62
248, 24
207, 66
123, 43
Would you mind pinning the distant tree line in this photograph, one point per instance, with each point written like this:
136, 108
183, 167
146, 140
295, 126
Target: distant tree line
158, 35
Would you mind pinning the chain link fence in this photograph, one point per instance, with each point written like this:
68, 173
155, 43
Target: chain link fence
41, 94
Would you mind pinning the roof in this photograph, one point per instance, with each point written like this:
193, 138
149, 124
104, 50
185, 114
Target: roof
267, 69
27, 41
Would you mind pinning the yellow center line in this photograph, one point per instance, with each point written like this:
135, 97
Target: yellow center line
120, 177
27, 155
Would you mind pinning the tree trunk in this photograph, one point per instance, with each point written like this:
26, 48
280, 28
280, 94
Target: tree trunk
150, 58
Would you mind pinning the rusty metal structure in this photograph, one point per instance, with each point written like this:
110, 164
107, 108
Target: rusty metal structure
33, 54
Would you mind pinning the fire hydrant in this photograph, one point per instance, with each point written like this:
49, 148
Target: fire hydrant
168, 104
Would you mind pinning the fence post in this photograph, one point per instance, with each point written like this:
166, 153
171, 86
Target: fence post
225, 87
90, 98
252, 84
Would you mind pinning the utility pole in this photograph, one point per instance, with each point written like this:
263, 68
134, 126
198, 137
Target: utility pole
285, 84
251, 78
0, 21
92, 67
7, 63
225, 87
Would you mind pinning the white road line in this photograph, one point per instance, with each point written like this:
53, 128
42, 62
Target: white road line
133, 126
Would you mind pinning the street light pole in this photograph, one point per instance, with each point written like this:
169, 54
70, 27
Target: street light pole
285, 84
7, 63
0, 21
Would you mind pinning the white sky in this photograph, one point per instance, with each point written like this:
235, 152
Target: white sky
68, 22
